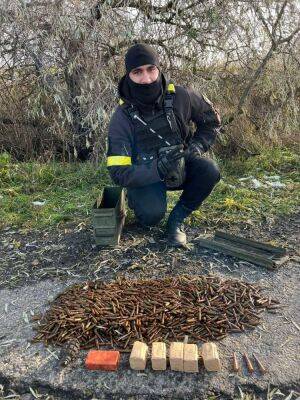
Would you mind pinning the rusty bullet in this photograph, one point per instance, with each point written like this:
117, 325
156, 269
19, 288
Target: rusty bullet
119, 312
248, 363
262, 369
235, 362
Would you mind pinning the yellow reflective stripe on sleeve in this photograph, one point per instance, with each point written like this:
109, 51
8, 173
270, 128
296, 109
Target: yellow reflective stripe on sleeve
121, 102
171, 88
118, 160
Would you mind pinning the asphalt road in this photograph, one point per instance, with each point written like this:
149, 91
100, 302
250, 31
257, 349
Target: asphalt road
276, 341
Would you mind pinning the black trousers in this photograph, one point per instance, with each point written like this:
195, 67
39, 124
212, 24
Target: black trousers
149, 202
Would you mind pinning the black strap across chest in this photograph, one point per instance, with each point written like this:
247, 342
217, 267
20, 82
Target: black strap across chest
156, 131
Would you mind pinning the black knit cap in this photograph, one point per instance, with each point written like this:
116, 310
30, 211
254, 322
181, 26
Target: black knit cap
140, 54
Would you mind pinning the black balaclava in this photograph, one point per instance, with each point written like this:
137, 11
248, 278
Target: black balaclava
136, 56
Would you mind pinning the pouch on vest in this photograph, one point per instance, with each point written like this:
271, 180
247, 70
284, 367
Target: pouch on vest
177, 177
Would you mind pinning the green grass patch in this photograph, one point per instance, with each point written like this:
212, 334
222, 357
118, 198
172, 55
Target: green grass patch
34, 195
235, 201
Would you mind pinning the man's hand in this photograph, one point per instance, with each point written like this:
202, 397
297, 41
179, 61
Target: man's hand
194, 150
168, 159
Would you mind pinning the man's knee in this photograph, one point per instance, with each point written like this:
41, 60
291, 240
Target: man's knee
213, 171
150, 217
148, 203
208, 168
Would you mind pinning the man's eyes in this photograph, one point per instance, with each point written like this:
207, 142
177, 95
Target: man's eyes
149, 69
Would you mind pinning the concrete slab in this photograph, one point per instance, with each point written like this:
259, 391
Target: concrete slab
276, 342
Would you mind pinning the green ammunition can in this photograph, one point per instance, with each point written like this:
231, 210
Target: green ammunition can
108, 216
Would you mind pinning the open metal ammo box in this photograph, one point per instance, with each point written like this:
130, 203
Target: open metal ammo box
108, 216
255, 252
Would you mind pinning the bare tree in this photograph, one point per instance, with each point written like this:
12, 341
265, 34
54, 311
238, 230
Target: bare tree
60, 62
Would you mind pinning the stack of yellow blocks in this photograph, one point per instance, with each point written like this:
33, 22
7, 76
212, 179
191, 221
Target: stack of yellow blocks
182, 356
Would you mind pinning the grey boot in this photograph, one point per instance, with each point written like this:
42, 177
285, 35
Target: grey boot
175, 231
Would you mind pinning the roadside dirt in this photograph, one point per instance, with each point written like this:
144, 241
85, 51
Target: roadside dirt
71, 252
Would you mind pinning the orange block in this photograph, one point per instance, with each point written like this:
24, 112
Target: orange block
106, 360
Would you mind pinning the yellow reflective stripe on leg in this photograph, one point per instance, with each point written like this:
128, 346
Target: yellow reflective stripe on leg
118, 160
171, 88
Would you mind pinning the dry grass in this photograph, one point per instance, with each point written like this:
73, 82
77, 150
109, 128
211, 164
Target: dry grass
39, 129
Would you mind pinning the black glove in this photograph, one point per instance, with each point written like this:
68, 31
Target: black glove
194, 150
168, 158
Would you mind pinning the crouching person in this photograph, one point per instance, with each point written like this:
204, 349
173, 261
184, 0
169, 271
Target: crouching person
151, 149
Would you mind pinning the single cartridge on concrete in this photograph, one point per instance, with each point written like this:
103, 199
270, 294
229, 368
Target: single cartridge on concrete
138, 356
176, 356
210, 357
190, 358
159, 356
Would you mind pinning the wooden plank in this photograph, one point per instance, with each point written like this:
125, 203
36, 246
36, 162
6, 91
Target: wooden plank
249, 242
237, 252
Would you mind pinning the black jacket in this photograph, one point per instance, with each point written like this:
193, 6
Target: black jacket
188, 106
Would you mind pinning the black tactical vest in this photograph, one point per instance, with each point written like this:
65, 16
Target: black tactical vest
154, 132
